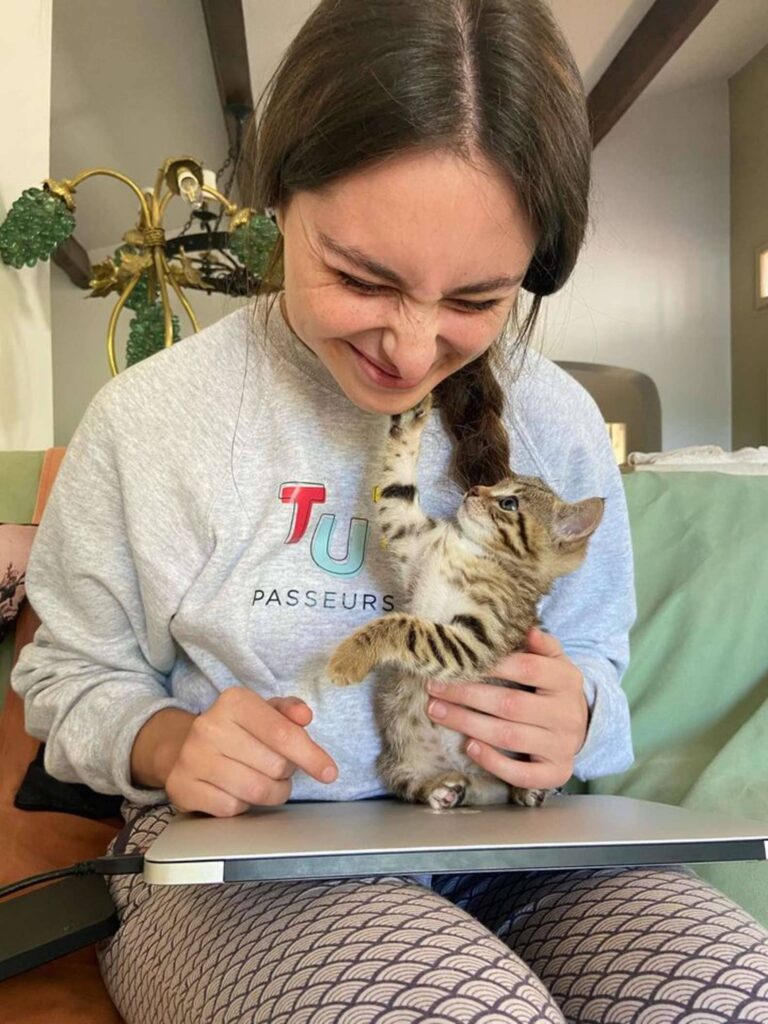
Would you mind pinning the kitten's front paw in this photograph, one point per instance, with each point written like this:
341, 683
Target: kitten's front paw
349, 663
527, 797
413, 420
446, 791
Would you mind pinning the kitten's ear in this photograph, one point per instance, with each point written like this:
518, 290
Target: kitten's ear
575, 523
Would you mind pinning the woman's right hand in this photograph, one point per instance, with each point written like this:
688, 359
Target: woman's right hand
240, 752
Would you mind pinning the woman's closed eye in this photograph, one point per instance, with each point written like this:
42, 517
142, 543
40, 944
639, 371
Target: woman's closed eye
364, 288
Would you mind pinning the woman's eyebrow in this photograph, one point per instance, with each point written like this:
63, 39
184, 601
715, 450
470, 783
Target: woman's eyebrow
360, 259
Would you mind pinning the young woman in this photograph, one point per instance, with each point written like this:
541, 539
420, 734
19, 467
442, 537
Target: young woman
207, 545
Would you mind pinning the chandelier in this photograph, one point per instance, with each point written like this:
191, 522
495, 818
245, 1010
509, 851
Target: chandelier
148, 266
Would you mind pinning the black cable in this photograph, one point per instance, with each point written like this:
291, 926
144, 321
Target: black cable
127, 864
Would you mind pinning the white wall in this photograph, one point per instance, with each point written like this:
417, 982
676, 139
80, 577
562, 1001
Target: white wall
26, 402
651, 290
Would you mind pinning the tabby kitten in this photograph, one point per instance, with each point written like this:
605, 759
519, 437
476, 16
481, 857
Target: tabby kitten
473, 584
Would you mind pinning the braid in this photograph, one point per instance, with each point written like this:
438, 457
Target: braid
472, 401
471, 404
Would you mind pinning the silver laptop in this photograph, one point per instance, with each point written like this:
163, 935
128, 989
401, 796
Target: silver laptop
330, 839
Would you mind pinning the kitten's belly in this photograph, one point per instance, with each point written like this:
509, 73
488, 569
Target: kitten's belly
426, 747
435, 599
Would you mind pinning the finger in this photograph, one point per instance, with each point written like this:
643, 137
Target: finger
502, 701
229, 789
280, 734
294, 708
247, 785
524, 739
526, 774
539, 642
540, 671
224, 738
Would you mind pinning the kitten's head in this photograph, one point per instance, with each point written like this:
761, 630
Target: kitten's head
521, 520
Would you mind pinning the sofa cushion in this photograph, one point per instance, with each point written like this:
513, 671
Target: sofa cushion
697, 682
15, 544
19, 478
40, 791
20, 473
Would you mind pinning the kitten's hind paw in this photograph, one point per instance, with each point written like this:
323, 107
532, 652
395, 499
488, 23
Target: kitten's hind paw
527, 797
349, 663
446, 791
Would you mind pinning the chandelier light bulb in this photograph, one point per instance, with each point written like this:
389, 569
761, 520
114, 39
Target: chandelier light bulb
189, 187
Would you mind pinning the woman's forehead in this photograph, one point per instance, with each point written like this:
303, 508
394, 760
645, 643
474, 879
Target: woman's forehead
424, 211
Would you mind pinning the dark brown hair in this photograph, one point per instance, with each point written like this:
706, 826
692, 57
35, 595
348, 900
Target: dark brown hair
366, 79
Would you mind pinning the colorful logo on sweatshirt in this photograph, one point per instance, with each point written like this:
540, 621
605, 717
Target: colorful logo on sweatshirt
303, 497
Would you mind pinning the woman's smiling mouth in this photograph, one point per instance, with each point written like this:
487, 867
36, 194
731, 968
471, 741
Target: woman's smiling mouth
377, 373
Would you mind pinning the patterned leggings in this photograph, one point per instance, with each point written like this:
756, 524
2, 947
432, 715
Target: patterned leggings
626, 946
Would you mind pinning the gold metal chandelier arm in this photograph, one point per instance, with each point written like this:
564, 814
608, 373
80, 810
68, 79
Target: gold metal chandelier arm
161, 272
120, 177
229, 207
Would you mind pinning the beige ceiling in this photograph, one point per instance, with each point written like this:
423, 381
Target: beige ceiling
133, 82
729, 36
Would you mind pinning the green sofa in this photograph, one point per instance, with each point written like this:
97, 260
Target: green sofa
19, 477
698, 679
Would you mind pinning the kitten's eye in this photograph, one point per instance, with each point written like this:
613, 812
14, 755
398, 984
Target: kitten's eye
509, 504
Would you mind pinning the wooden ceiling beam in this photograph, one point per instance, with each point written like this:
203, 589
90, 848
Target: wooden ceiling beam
74, 261
225, 24
663, 30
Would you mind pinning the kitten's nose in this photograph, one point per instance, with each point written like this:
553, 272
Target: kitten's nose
473, 492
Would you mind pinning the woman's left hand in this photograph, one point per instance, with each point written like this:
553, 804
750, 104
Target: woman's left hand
550, 725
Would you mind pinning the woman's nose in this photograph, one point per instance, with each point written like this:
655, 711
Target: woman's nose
411, 351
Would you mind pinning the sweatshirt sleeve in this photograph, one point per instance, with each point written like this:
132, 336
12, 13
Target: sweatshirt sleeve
592, 610
96, 670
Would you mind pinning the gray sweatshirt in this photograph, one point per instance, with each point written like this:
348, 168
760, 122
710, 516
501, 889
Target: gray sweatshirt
212, 525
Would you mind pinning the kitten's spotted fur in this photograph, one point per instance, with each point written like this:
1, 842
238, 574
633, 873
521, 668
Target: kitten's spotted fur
473, 584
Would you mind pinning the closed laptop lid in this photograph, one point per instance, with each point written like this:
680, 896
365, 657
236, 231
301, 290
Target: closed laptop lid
384, 836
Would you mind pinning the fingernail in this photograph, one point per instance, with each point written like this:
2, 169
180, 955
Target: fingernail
472, 747
436, 708
435, 686
329, 774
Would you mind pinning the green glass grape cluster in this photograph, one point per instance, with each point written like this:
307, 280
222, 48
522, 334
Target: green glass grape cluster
252, 243
37, 224
139, 297
147, 333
